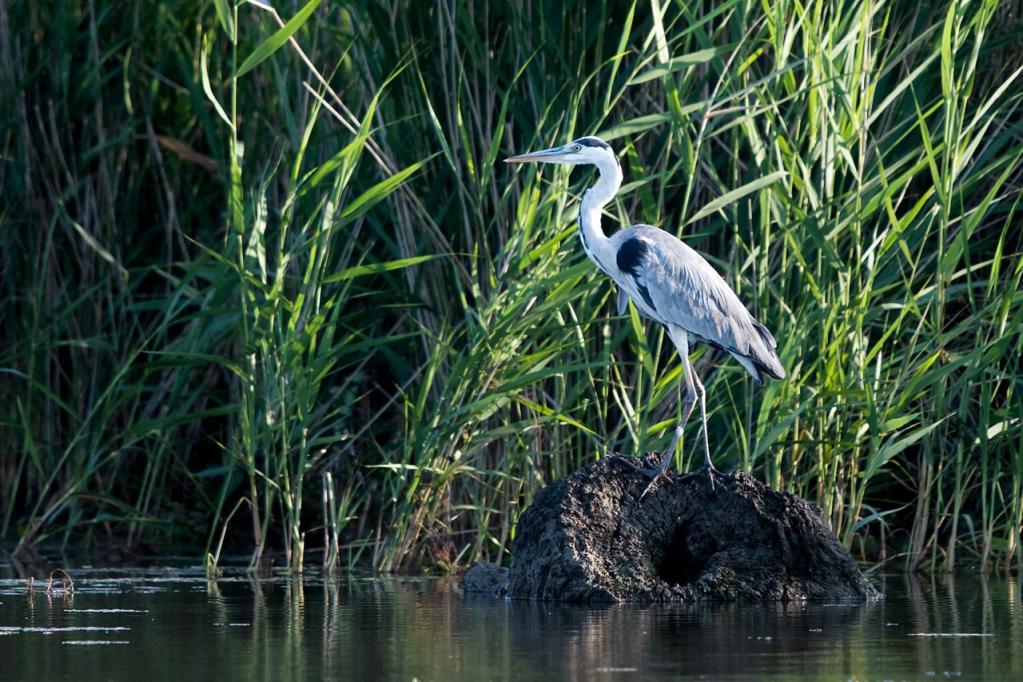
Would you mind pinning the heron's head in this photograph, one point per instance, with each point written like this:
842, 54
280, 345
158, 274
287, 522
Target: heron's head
592, 150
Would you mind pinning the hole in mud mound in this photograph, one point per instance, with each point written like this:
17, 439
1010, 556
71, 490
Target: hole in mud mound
686, 556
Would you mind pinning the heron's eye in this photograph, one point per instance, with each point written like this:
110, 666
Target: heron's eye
578, 148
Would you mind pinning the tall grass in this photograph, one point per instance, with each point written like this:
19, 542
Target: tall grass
273, 270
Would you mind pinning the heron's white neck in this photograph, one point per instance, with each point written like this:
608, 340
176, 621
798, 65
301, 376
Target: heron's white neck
595, 242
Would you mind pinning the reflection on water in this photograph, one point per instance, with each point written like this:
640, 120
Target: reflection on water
176, 625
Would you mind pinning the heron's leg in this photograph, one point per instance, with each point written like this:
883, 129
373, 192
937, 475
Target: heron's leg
688, 404
701, 393
681, 340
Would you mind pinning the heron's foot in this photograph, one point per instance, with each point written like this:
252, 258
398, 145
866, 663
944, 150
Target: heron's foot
653, 480
653, 473
711, 473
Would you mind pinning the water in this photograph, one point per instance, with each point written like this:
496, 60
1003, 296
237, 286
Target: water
171, 624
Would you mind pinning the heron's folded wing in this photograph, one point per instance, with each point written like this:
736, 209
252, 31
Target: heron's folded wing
689, 293
623, 300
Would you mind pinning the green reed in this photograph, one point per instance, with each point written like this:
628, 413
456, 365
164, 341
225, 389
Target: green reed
233, 293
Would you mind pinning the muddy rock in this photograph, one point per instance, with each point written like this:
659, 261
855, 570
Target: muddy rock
589, 537
485, 578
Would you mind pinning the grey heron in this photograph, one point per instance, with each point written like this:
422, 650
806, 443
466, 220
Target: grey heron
669, 283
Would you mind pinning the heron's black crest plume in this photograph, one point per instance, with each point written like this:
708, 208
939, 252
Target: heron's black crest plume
593, 142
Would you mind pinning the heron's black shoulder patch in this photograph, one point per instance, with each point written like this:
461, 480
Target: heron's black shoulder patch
593, 142
629, 259
630, 254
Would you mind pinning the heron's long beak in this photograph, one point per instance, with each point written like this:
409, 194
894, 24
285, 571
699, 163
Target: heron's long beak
552, 154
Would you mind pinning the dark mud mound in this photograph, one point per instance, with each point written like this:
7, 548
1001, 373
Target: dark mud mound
589, 537
485, 578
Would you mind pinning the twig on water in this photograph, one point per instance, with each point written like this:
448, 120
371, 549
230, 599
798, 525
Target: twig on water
67, 584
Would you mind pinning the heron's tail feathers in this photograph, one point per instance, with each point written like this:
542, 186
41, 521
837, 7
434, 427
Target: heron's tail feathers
765, 335
762, 357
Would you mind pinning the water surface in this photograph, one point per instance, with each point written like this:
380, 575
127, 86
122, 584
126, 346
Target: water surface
149, 624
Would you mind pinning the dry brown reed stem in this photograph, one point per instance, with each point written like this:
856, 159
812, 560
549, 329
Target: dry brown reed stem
67, 584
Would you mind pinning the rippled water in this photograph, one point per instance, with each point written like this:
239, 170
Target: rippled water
164, 624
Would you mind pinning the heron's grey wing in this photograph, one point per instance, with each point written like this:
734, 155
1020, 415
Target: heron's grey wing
623, 300
686, 291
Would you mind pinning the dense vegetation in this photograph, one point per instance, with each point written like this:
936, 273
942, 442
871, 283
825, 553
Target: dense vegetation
267, 286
